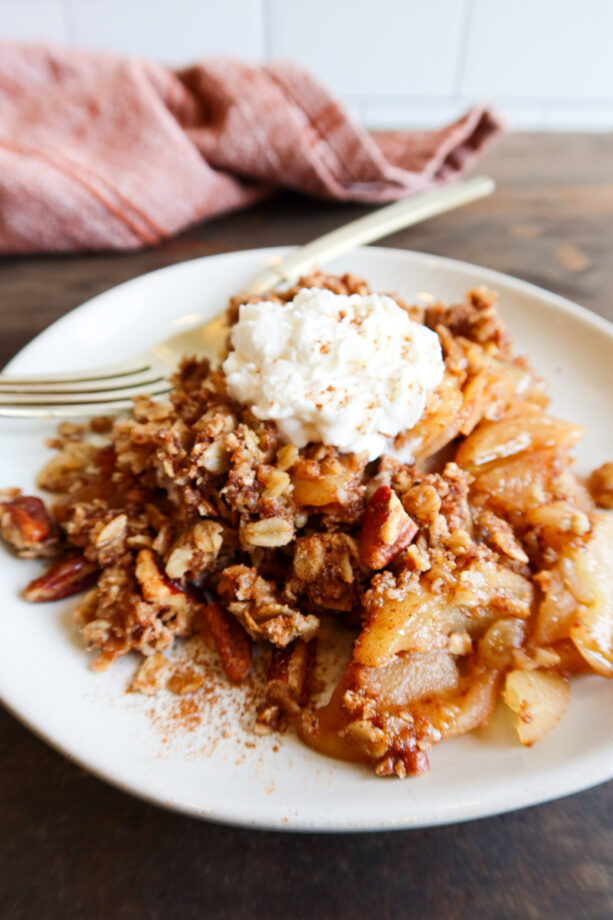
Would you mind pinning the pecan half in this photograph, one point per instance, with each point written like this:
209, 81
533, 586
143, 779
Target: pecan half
387, 529
69, 576
232, 642
26, 524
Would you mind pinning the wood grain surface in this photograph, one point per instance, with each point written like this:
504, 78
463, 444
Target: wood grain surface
72, 847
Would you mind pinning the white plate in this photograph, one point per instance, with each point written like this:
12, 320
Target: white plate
205, 770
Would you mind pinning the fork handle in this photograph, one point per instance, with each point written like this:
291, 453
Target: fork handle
373, 226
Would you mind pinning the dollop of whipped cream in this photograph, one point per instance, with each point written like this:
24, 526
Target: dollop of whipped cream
350, 371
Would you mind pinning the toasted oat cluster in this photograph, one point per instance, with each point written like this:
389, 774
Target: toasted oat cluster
481, 569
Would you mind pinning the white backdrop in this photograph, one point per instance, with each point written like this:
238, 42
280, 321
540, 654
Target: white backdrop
548, 64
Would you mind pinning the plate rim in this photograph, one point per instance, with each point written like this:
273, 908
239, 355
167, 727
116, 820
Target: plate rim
551, 785
583, 313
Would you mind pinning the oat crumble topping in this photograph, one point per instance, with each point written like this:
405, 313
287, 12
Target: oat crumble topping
480, 568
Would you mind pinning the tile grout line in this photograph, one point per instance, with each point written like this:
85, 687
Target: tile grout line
67, 20
464, 36
266, 23
577, 103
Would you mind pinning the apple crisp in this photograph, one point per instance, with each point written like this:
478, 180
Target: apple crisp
479, 570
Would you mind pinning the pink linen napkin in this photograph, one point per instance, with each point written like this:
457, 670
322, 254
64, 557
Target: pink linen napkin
100, 152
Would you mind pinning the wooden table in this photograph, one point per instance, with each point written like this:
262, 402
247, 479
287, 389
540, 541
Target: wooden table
72, 847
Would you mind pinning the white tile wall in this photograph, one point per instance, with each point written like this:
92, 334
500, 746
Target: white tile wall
540, 49
547, 64
387, 47
175, 31
32, 19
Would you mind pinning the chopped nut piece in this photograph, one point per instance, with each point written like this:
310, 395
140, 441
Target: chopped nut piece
215, 459
309, 558
601, 485
232, 642
370, 738
579, 523
327, 572
409, 763
459, 542
498, 534
418, 558
423, 502
63, 470
101, 424
288, 684
162, 543
114, 530
151, 675
208, 536
256, 604
185, 680
386, 529
283, 629
195, 550
154, 585
179, 561
268, 719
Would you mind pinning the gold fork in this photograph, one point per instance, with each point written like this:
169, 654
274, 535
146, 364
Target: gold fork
110, 389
